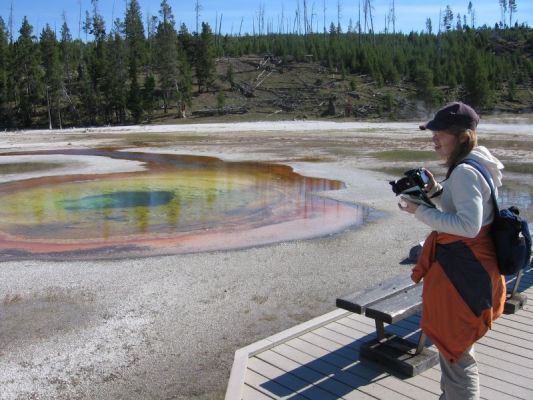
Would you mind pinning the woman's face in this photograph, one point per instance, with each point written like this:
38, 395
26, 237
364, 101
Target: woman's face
445, 143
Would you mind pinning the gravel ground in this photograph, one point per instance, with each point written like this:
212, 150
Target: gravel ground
168, 327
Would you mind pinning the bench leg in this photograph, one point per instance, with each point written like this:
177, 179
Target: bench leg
517, 281
380, 329
399, 354
515, 301
421, 343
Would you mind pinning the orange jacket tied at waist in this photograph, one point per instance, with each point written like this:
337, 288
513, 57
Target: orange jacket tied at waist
463, 290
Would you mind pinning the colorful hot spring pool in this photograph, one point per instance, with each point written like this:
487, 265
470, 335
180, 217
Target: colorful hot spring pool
178, 204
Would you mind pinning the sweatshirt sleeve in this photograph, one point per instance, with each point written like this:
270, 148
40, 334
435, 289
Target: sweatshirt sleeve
464, 216
435, 194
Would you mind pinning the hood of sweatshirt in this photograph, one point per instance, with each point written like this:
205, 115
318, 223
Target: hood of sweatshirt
482, 155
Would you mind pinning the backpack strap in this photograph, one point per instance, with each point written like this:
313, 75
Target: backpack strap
483, 171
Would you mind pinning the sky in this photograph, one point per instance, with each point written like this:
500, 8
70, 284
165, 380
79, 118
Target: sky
411, 15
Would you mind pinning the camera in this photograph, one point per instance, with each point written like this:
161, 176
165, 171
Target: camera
413, 178
412, 185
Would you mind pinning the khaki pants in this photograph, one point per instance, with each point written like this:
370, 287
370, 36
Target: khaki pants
460, 380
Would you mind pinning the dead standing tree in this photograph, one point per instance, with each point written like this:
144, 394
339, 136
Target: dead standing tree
297, 28
197, 9
339, 12
261, 19
369, 20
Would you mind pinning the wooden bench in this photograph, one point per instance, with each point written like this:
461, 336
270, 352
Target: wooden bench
387, 303
398, 298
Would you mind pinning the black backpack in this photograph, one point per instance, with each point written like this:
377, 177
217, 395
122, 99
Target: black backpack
510, 233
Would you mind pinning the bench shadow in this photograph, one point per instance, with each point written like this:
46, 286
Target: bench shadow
341, 371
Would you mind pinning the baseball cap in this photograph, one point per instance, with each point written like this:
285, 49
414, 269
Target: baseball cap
453, 114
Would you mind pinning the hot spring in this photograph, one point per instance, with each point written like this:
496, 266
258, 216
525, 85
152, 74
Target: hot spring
177, 204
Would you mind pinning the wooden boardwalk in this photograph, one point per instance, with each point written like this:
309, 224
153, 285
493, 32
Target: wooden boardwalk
319, 360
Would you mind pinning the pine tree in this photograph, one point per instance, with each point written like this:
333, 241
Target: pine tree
136, 47
151, 29
476, 82
114, 86
230, 75
166, 45
92, 72
447, 18
4, 57
187, 43
69, 58
205, 59
27, 74
429, 26
52, 75
87, 94
184, 84
65, 46
424, 84
149, 95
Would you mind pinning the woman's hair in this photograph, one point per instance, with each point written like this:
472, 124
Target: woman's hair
466, 141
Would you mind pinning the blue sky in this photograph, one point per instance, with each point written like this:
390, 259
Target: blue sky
411, 15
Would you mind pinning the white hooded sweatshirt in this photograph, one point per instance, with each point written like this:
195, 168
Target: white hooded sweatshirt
465, 202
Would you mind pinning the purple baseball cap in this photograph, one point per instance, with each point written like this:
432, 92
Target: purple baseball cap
453, 114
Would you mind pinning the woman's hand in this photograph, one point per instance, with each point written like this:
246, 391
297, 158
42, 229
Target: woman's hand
432, 181
406, 205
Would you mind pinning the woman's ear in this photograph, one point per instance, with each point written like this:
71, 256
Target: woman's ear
464, 137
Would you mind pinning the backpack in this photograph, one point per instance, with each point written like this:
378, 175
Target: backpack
509, 232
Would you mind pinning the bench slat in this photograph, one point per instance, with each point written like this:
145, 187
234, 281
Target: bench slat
402, 305
358, 301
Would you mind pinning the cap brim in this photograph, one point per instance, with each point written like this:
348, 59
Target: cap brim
433, 126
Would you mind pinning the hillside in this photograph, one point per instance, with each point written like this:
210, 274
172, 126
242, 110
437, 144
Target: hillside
124, 77
268, 88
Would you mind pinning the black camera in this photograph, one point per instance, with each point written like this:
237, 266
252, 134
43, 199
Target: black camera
412, 185
412, 179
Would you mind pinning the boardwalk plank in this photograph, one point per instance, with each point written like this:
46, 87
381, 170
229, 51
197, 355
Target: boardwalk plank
520, 351
498, 390
255, 380
518, 317
500, 332
495, 371
491, 389
338, 386
250, 393
503, 355
512, 324
355, 382
491, 394
518, 370
279, 378
368, 371
527, 310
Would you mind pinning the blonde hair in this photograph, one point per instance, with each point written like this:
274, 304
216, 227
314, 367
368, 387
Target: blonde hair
466, 141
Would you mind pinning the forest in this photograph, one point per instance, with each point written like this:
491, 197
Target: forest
128, 74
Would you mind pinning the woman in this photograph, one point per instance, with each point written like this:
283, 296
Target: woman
463, 290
